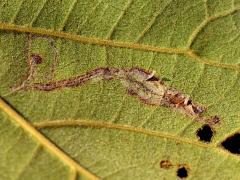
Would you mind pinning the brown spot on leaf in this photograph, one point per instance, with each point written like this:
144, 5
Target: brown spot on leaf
214, 120
36, 59
131, 92
177, 99
166, 164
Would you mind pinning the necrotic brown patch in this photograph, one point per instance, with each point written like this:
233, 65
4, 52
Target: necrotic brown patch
36, 59
214, 120
165, 164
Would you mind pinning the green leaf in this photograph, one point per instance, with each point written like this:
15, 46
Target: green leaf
97, 130
23, 158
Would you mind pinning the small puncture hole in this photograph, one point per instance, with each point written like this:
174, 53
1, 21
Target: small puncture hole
182, 172
205, 133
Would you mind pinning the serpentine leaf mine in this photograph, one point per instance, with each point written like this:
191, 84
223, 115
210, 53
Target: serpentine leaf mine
138, 82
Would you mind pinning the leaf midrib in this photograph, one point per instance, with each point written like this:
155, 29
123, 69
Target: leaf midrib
75, 167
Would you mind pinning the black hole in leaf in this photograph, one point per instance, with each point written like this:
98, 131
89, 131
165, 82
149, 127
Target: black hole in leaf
232, 143
205, 133
182, 172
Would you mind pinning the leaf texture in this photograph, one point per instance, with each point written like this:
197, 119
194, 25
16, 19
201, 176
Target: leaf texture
97, 129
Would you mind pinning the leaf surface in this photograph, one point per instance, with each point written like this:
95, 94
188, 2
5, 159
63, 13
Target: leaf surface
97, 129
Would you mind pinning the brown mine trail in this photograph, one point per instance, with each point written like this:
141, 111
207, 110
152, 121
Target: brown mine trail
138, 82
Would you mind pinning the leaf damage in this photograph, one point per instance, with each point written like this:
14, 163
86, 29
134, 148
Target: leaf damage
140, 83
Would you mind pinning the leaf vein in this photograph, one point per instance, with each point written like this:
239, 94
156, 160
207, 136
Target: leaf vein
43, 140
101, 124
120, 44
205, 22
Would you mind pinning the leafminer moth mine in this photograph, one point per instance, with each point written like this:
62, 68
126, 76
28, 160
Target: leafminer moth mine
138, 82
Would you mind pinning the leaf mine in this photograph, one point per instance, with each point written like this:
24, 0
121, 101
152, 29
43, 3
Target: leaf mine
138, 82
129, 124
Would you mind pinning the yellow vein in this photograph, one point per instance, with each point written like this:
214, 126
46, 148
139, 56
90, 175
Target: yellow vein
112, 43
101, 124
89, 40
212, 63
43, 140
73, 175
206, 21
